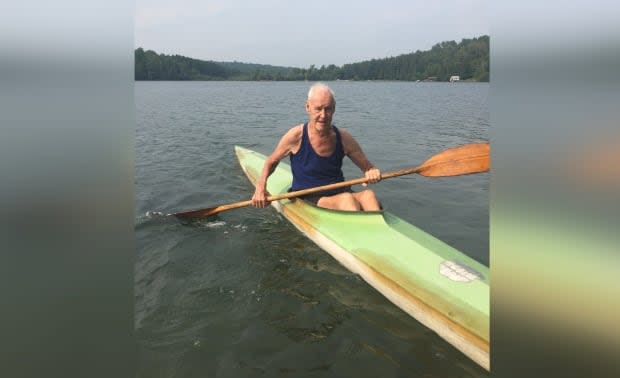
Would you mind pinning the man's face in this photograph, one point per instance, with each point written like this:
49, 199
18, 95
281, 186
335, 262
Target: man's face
321, 108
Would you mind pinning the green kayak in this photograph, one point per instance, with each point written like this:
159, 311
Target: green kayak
436, 284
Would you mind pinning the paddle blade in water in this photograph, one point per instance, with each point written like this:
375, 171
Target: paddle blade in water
462, 160
200, 213
205, 213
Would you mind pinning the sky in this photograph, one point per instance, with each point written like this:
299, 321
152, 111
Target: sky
300, 34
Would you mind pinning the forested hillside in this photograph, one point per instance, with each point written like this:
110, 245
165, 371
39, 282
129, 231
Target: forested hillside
468, 59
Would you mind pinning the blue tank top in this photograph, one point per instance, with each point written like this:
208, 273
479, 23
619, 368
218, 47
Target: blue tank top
310, 169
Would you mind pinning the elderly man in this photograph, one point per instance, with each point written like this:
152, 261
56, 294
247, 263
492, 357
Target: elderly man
317, 149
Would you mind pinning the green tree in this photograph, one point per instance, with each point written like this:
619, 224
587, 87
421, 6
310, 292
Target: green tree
468, 59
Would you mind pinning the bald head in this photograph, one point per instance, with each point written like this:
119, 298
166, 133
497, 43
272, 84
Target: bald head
320, 89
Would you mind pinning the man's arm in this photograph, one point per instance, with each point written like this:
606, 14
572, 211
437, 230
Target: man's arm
288, 144
353, 150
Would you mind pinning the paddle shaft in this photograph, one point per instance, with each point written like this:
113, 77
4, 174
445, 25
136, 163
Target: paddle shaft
201, 213
467, 159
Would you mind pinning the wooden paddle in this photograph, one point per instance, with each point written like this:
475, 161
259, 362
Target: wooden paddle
462, 160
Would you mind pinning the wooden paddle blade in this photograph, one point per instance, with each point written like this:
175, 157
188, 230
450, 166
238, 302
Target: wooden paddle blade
210, 211
200, 213
462, 160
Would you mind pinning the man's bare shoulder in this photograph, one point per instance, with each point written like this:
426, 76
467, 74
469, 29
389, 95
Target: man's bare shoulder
345, 133
295, 132
293, 135
293, 138
348, 142
289, 143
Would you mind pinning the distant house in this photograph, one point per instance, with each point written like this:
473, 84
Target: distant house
454, 78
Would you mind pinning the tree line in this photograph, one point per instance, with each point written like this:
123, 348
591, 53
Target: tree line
468, 59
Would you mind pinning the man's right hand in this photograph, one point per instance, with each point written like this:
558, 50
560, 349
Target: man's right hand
259, 199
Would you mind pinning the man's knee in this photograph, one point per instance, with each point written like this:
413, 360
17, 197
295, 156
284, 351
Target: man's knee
368, 194
367, 197
349, 202
368, 200
344, 201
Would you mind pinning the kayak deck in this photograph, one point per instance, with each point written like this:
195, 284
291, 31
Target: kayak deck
433, 282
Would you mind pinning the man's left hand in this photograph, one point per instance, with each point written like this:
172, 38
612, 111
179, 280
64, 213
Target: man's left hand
373, 175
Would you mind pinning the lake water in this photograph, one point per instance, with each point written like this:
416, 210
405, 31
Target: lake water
244, 294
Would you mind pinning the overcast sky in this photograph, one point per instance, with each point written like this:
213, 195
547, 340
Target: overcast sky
301, 33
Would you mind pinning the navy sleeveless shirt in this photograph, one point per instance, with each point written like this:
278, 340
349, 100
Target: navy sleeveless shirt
310, 169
